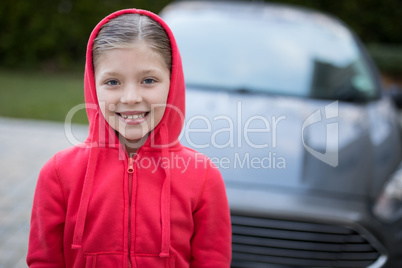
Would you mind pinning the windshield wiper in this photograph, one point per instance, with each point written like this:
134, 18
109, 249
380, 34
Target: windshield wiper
239, 90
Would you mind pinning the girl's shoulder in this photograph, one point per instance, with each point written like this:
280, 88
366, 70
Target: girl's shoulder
190, 154
196, 161
73, 156
71, 160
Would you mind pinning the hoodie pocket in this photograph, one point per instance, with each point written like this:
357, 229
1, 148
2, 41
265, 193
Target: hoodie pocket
104, 260
151, 260
116, 260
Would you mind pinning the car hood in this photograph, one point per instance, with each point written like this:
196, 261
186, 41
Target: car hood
278, 142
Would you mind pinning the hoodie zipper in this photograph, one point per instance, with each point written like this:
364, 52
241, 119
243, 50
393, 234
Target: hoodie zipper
130, 171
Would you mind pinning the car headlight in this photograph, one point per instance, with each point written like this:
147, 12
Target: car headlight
388, 206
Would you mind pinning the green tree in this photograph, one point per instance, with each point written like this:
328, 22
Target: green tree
53, 34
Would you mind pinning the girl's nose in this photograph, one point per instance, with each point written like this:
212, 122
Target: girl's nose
131, 94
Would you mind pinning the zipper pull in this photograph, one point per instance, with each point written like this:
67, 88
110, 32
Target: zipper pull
130, 168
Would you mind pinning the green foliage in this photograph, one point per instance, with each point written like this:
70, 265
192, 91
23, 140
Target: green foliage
53, 34
388, 58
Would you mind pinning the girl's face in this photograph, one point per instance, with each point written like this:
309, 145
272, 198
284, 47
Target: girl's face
132, 86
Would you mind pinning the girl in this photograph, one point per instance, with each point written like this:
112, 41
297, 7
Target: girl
131, 195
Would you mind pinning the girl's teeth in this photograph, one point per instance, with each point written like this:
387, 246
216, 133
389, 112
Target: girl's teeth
134, 116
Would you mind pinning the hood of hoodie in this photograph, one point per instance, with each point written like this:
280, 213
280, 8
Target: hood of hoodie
100, 133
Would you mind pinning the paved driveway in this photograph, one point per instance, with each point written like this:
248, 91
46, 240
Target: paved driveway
25, 146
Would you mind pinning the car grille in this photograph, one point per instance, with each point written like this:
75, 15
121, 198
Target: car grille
258, 242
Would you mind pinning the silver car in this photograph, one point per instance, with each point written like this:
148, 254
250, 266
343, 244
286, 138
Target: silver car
288, 105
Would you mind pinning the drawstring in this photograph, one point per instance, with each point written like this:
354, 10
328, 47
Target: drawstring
165, 196
86, 190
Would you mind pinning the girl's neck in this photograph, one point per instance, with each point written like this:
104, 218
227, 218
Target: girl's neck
132, 146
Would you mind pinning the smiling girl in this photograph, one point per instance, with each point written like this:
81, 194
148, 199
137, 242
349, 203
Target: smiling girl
98, 204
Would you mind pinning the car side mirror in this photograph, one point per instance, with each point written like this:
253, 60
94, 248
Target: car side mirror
395, 93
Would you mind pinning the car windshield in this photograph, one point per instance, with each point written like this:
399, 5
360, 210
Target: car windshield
276, 51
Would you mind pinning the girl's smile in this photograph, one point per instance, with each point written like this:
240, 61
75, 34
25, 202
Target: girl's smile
133, 118
135, 82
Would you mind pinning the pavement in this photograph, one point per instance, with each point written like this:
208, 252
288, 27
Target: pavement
25, 146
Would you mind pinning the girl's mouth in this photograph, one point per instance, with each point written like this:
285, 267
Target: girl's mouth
133, 119
134, 116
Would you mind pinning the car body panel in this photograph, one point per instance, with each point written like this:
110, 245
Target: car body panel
230, 123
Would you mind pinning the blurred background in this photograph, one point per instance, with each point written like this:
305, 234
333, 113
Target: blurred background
42, 56
42, 47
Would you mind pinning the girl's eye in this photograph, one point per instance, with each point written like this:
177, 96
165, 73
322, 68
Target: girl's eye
148, 81
112, 82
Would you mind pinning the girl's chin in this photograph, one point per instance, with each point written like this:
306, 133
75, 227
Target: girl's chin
133, 140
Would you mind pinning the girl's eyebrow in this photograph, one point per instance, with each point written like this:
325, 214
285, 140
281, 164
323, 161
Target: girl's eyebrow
141, 73
109, 73
148, 71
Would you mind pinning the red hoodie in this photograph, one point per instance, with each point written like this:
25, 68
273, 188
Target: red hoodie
96, 207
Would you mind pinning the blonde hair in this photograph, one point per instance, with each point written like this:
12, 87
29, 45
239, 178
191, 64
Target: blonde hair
123, 31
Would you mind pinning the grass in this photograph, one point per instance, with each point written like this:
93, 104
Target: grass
45, 96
